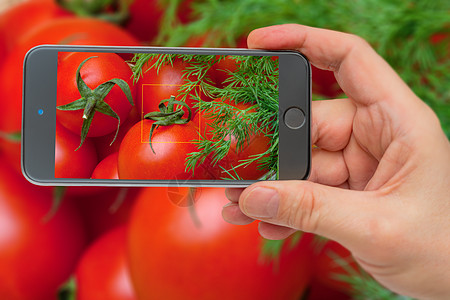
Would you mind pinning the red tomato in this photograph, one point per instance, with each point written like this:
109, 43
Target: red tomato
220, 71
31, 13
442, 39
326, 268
81, 191
184, 11
144, 20
171, 145
101, 68
78, 31
209, 40
257, 144
204, 40
65, 30
319, 291
107, 168
324, 83
70, 163
192, 253
37, 254
197, 41
103, 143
10, 146
242, 42
105, 211
103, 271
156, 86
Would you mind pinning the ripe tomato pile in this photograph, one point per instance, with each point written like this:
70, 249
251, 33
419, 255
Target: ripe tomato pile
127, 243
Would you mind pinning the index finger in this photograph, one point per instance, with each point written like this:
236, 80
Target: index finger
362, 74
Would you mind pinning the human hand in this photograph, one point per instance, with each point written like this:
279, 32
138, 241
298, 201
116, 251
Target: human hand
379, 183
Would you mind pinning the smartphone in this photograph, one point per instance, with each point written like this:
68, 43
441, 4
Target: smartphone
155, 116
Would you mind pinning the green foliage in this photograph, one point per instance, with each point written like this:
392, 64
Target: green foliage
256, 83
68, 290
271, 249
399, 30
364, 287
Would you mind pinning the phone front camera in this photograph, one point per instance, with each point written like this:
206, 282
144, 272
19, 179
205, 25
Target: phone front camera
40, 112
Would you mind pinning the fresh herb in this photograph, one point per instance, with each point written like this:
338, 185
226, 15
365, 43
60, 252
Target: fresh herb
255, 82
400, 31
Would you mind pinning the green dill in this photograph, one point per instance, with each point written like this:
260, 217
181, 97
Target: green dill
363, 285
254, 83
399, 30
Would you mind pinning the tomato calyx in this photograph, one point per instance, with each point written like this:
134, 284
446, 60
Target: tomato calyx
91, 101
14, 137
99, 9
167, 115
68, 289
58, 196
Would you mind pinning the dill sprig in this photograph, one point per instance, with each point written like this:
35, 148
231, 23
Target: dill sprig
140, 62
196, 74
255, 83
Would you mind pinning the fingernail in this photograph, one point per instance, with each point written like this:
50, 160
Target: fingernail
229, 204
262, 203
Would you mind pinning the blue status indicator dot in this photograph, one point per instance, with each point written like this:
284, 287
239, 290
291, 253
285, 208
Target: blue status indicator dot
40, 112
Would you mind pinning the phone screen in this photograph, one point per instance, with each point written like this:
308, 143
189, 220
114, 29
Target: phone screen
142, 116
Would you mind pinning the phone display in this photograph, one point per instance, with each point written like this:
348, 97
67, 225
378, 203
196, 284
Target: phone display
158, 116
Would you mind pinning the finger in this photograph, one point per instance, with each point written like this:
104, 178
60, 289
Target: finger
233, 194
342, 215
362, 74
332, 122
274, 232
361, 166
328, 167
233, 214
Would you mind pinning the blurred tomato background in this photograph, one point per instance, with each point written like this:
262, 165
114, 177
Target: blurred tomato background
171, 243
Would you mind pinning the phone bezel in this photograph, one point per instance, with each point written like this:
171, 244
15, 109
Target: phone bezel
38, 131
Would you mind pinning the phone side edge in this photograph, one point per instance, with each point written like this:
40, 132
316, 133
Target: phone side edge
295, 92
26, 172
22, 135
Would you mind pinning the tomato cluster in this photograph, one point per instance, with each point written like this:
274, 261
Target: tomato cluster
202, 256
149, 243
124, 145
125, 243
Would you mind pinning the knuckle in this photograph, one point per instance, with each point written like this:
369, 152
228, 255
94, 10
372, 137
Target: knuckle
351, 42
357, 41
339, 172
301, 211
383, 235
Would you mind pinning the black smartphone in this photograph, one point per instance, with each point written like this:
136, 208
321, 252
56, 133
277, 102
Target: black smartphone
154, 116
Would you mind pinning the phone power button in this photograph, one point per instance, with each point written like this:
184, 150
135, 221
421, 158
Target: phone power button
294, 118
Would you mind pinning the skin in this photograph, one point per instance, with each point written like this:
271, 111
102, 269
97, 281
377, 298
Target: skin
380, 173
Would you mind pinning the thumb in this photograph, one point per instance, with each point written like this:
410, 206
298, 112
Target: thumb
342, 215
